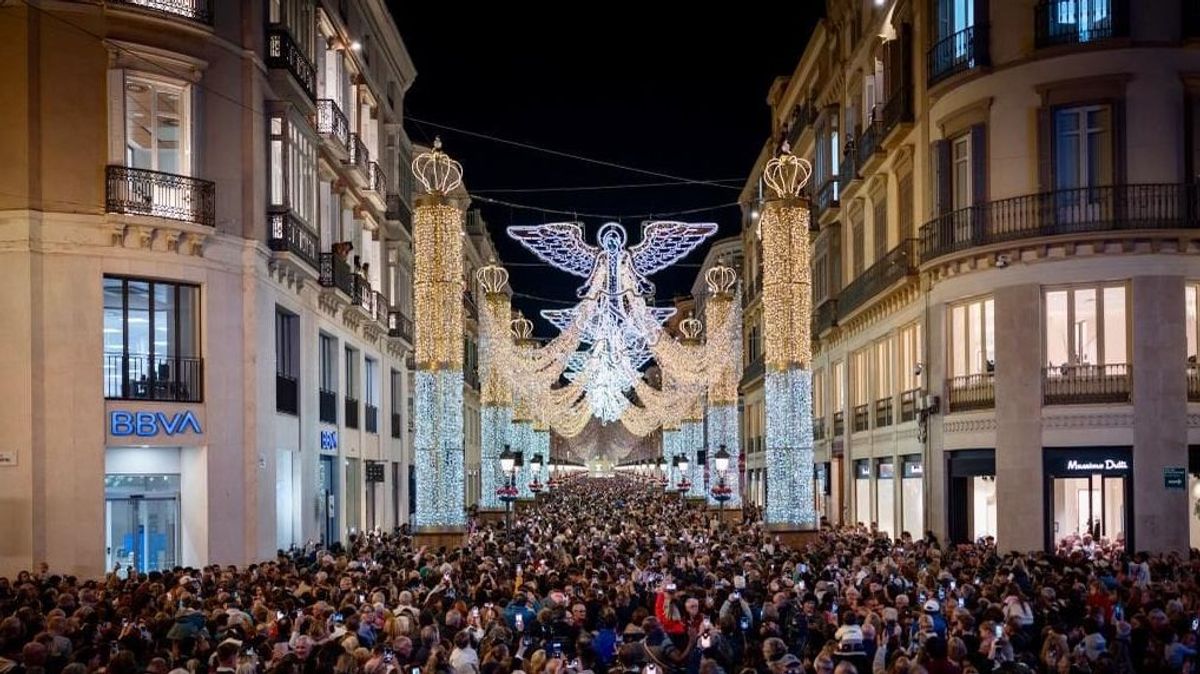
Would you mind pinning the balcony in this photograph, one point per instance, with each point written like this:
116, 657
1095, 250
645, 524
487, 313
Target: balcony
1086, 384
470, 309
870, 143
883, 412
333, 126
358, 158
824, 317
1061, 22
1113, 208
350, 410
192, 10
335, 273
827, 196
847, 170
381, 308
286, 234
908, 404
839, 424
361, 295
862, 418
754, 370
965, 50
376, 185
897, 113
134, 191
804, 115
899, 263
372, 418
971, 392
285, 394
399, 211
396, 424
818, 428
327, 406
1193, 384
138, 376
400, 326
283, 53
471, 378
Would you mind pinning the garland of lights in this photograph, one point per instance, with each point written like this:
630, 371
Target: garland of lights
691, 441
495, 413
438, 289
787, 311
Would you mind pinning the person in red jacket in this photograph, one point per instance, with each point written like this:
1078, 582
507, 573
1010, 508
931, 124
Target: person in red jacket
667, 611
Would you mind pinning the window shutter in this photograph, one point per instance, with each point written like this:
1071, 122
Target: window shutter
979, 162
1045, 149
942, 196
116, 116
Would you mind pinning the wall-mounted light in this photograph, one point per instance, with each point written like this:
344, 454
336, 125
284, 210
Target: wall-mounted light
355, 45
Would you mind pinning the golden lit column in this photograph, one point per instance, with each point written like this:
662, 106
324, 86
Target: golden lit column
438, 290
787, 311
723, 317
495, 356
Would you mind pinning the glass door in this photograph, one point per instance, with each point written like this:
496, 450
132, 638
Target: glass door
142, 532
327, 508
1092, 505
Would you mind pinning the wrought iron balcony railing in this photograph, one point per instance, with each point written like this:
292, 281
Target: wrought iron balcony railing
376, 180
335, 273
139, 376
883, 412
754, 370
824, 317
283, 52
862, 418
400, 325
1086, 384
381, 308
1071, 211
908, 404
286, 234
332, 122
194, 10
286, 400
1058, 22
358, 157
839, 424
328, 406
398, 210
962, 51
899, 262
971, 392
136, 191
827, 195
870, 141
847, 169
350, 411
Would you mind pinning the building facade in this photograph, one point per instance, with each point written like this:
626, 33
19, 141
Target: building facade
1004, 215
207, 269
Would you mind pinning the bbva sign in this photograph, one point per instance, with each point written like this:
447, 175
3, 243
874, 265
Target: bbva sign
152, 424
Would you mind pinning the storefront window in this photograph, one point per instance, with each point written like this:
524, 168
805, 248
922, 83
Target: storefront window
1089, 495
912, 484
151, 340
862, 492
885, 496
983, 506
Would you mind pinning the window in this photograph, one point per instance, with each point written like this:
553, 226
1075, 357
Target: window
818, 393
858, 243
293, 168
880, 224
972, 338
395, 396
904, 205
327, 355
297, 17
351, 373
1191, 297
910, 356
1083, 147
884, 362
1087, 326
960, 172
157, 125
839, 386
954, 16
820, 279
151, 340
1087, 19
371, 396
860, 370
287, 361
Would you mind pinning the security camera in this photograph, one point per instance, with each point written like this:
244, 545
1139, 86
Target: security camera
917, 369
1002, 260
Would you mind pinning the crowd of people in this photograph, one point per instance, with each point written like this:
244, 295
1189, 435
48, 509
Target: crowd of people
612, 576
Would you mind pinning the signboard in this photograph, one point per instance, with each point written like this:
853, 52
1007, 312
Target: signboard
886, 470
153, 424
329, 441
1081, 461
1175, 478
374, 471
124, 423
912, 467
862, 469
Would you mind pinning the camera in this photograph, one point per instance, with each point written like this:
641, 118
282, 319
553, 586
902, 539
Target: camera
389, 656
670, 587
745, 623
555, 649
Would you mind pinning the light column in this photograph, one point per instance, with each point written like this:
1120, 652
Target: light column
438, 289
787, 310
521, 440
541, 447
723, 317
495, 347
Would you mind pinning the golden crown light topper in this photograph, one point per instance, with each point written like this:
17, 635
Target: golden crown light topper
690, 328
522, 328
787, 174
492, 277
720, 279
436, 171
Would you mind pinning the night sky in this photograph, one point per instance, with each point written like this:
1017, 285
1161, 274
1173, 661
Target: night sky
631, 88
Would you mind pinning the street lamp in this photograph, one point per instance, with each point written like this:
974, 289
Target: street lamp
721, 492
536, 485
508, 493
682, 485
662, 468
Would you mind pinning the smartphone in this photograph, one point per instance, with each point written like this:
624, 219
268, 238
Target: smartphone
414, 670
745, 624
735, 595
961, 603
670, 587
834, 609
801, 583
555, 649
338, 617
953, 585
519, 622
999, 629
279, 615
1195, 624
941, 594
389, 656
362, 598
705, 640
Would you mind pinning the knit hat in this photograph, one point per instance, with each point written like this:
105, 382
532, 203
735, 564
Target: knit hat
850, 641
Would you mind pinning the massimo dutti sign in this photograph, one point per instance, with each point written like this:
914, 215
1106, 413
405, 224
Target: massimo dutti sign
1070, 461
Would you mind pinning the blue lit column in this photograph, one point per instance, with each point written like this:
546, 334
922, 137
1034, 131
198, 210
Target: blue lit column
723, 319
495, 342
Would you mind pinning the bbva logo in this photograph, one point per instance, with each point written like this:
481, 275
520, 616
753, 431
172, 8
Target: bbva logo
150, 424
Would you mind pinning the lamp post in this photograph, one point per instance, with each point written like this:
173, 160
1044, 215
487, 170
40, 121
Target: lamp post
682, 486
508, 465
721, 461
662, 469
536, 485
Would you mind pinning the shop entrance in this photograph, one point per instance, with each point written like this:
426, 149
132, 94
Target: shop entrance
327, 505
971, 494
1088, 496
142, 522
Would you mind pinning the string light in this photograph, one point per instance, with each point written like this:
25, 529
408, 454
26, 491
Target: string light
722, 429
437, 290
787, 312
495, 414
